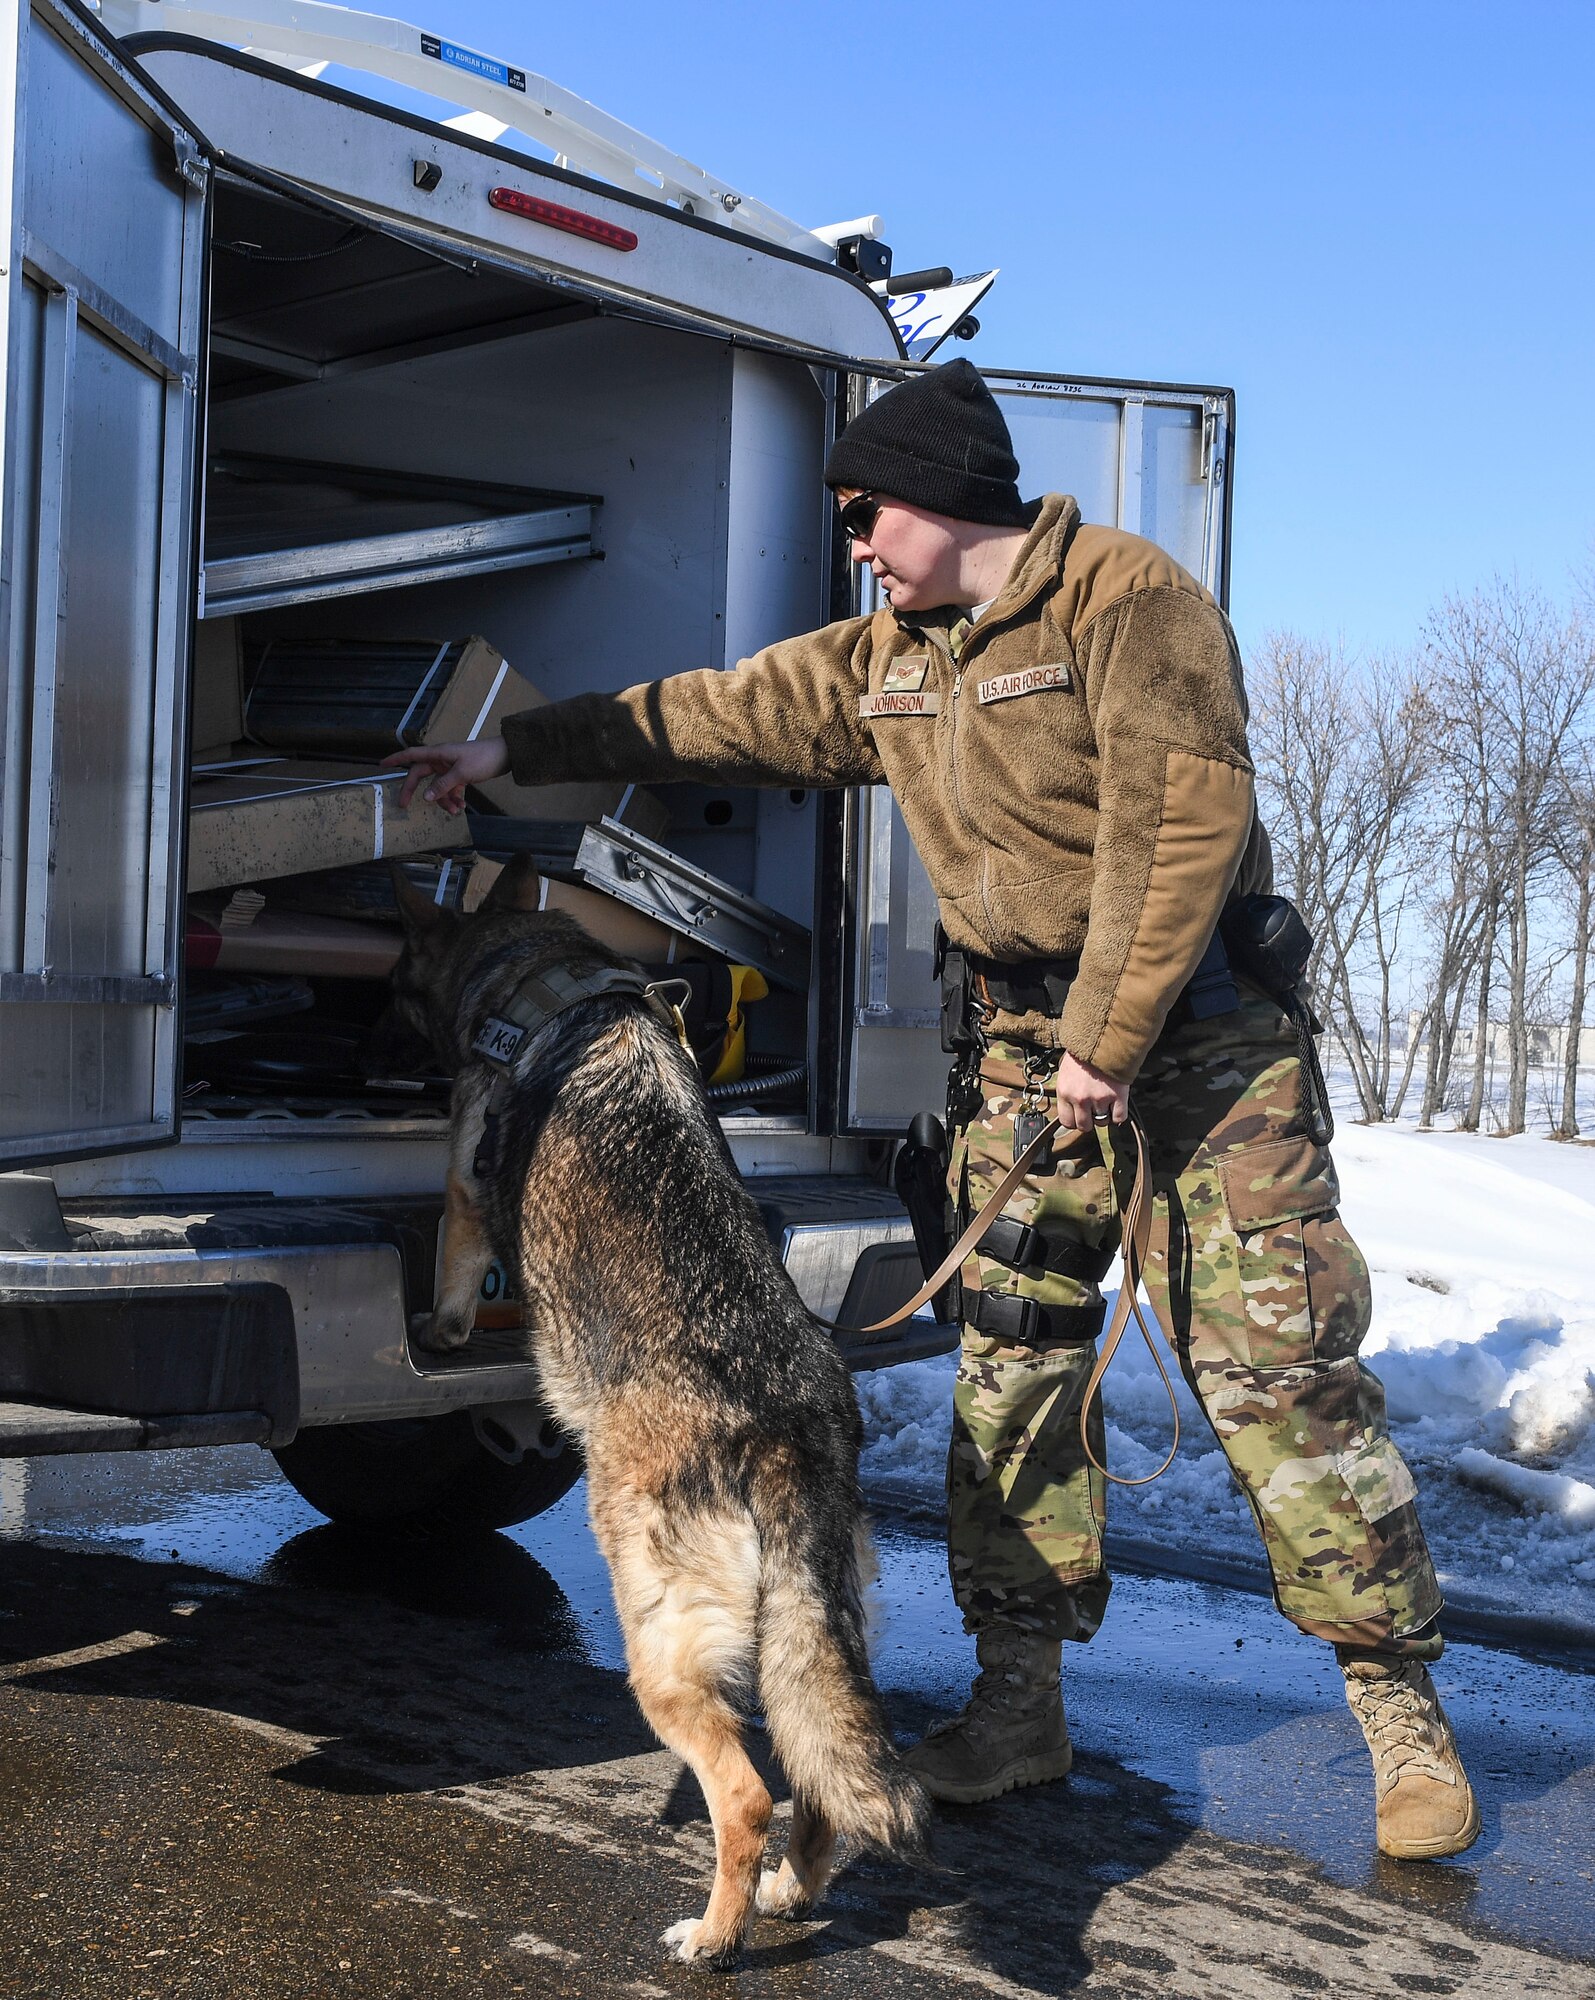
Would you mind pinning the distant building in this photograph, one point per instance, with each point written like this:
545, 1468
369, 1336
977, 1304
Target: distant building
1547, 1043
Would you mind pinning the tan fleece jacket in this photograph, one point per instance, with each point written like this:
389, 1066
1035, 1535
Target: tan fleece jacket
1076, 781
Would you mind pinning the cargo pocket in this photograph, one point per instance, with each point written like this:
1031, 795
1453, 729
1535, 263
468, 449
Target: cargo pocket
1332, 1495
1278, 1182
1276, 1197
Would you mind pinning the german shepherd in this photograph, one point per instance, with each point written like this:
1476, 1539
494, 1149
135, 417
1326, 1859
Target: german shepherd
720, 1428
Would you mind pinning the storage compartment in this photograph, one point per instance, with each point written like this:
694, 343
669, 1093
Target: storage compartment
436, 495
282, 532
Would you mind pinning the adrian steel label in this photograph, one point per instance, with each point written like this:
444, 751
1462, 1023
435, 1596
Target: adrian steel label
468, 59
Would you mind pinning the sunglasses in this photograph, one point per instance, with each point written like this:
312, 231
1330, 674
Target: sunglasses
859, 515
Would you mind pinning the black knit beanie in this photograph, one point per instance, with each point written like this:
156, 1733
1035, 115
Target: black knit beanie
937, 441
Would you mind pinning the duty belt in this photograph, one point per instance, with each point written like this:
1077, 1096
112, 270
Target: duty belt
974, 987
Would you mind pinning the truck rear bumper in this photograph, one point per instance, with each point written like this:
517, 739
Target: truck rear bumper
220, 1327
221, 1358
343, 1302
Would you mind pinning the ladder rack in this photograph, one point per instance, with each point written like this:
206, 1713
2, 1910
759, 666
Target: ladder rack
306, 35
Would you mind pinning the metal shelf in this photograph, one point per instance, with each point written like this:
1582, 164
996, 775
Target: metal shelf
285, 531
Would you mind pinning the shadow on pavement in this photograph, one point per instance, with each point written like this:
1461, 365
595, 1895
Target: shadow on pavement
385, 1672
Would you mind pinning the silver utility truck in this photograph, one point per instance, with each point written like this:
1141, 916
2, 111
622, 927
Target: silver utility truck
332, 424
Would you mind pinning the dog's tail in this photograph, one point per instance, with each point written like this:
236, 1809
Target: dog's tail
824, 1715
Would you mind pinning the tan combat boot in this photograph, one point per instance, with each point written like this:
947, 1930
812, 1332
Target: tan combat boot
1424, 1804
1012, 1732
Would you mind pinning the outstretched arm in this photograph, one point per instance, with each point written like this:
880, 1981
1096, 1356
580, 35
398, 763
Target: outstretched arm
787, 716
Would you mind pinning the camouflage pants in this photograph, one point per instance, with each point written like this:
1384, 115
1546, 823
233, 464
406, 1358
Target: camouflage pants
1263, 1297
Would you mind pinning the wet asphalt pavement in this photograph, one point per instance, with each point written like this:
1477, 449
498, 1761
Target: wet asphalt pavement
242, 1754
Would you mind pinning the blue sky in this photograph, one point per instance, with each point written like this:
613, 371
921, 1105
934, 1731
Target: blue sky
1372, 221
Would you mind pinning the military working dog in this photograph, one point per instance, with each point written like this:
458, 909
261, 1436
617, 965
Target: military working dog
720, 1428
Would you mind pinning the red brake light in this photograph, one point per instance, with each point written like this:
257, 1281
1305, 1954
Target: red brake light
557, 216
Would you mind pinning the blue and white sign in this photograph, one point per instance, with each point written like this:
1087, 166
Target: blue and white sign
926, 319
487, 67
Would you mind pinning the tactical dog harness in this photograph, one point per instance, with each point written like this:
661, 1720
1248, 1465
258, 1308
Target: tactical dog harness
541, 998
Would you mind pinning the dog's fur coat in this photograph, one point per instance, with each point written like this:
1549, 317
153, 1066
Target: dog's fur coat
720, 1428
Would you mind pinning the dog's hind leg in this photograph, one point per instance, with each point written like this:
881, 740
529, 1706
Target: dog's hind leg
466, 1256
687, 1593
797, 1885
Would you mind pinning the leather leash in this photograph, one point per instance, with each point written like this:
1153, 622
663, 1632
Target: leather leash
1136, 1229
1135, 1222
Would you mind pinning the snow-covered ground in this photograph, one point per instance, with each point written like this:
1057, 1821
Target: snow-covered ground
1483, 1260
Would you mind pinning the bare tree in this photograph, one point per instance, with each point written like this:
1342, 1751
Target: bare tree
1573, 842
1515, 681
1341, 762
1456, 922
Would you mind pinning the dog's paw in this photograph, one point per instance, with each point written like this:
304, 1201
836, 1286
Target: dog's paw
682, 1938
437, 1335
781, 1894
685, 1941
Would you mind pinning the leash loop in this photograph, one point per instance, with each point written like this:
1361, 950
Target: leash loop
1136, 1235
1135, 1223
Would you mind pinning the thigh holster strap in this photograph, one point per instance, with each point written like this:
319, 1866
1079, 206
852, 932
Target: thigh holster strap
1027, 1323
1022, 1248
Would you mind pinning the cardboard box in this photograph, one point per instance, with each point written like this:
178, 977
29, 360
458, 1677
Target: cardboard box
364, 894
367, 697
278, 817
624, 930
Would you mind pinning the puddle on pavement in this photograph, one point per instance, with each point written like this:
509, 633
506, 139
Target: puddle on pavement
1205, 1690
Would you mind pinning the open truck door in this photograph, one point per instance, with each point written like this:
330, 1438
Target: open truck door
1153, 458
101, 335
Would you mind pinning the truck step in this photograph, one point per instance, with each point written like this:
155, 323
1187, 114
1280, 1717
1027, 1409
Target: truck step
918, 1340
29, 1430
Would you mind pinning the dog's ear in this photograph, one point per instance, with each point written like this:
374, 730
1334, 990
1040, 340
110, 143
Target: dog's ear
421, 917
518, 887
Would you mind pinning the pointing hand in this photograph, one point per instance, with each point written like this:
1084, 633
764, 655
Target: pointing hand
448, 768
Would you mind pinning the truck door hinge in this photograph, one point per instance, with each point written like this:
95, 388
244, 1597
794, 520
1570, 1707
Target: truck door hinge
191, 162
1212, 464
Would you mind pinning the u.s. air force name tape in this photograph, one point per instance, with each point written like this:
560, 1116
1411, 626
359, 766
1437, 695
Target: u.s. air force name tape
1003, 687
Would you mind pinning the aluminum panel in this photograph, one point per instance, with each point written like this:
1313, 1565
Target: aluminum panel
107, 310
1150, 457
360, 155
92, 167
106, 661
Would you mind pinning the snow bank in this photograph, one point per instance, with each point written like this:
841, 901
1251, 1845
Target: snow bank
1543, 1492
1483, 1259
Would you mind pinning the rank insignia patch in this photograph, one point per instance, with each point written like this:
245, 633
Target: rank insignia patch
906, 676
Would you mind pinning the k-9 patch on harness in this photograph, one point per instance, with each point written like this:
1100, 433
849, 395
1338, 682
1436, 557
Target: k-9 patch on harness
500, 1041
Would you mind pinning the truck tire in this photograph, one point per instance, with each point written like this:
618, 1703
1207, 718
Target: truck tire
422, 1476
